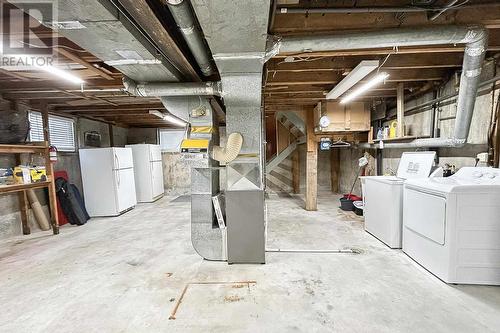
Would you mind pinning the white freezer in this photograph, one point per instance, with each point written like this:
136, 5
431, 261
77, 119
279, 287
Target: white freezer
383, 197
108, 180
148, 169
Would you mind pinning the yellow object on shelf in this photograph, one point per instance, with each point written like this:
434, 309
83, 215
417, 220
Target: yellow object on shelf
22, 174
393, 129
38, 174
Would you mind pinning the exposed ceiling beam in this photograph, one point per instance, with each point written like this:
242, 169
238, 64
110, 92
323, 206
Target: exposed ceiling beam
395, 61
82, 62
286, 23
128, 107
334, 77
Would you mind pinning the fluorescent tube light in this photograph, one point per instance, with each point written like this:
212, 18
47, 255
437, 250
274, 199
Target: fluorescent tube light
62, 74
364, 68
365, 87
168, 117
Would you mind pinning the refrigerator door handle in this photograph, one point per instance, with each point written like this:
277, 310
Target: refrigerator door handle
117, 161
118, 178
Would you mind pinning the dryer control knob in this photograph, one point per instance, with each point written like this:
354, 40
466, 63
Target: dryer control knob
477, 174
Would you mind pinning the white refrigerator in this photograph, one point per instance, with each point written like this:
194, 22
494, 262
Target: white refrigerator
148, 169
108, 180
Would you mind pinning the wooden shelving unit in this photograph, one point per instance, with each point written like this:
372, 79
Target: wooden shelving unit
41, 148
403, 138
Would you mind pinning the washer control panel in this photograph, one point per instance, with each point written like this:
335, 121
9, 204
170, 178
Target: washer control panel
480, 175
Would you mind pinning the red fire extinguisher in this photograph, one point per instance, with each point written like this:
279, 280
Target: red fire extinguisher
53, 154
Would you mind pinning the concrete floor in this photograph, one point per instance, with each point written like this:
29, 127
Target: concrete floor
126, 274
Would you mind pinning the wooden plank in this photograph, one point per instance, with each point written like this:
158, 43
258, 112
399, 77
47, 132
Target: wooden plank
430, 74
4, 189
32, 148
111, 135
311, 165
82, 62
147, 19
400, 101
49, 169
395, 61
301, 23
23, 210
335, 169
54, 218
296, 172
13, 75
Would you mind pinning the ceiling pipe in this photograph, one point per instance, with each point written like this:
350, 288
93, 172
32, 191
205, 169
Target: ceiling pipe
163, 89
475, 38
184, 18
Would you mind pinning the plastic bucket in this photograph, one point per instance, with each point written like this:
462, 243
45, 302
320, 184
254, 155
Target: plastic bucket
346, 204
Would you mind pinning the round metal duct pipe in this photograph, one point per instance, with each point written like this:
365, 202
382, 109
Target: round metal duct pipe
162, 89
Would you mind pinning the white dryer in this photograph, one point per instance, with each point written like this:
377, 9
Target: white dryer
383, 197
451, 226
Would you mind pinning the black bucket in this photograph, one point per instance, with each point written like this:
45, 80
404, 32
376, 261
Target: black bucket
346, 204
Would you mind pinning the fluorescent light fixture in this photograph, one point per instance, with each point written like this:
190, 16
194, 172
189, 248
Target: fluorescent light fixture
364, 68
62, 74
168, 117
365, 87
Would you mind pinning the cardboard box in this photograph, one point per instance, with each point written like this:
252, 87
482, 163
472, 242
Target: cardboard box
351, 117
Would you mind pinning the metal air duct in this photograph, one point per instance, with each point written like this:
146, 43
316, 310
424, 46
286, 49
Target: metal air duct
161, 89
236, 31
185, 20
475, 38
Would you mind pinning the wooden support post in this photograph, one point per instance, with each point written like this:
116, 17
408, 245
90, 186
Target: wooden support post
296, 171
400, 109
335, 168
111, 135
23, 207
311, 165
49, 168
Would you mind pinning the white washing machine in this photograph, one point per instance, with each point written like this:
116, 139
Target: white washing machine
451, 226
383, 197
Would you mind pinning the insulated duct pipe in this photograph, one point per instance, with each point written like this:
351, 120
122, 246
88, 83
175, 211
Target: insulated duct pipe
161, 89
185, 20
475, 38
230, 151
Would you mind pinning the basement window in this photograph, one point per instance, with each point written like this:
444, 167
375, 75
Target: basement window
170, 140
61, 129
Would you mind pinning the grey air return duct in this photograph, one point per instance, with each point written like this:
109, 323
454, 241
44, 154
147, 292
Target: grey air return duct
236, 32
475, 39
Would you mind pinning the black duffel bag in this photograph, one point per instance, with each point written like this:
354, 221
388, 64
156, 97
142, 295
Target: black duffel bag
71, 202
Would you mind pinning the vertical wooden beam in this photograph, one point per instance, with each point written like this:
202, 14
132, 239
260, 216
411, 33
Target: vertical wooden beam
335, 169
49, 168
296, 171
23, 205
111, 135
311, 164
400, 109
